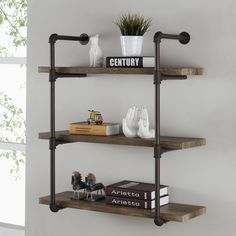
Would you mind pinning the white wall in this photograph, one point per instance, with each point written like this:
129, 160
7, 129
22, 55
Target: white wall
200, 107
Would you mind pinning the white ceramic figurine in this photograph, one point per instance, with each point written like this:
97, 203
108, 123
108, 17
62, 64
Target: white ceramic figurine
136, 123
144, 131
95, 52
130, 122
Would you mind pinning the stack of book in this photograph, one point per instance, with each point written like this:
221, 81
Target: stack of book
106, 129
130, 62
135, 194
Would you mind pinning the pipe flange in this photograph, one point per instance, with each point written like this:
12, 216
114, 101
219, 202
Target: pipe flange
158, 221
186, 38
84, 39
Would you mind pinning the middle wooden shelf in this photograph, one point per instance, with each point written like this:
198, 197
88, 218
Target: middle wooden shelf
167, 143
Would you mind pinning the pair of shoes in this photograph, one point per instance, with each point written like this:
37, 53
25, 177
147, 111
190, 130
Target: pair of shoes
91, 191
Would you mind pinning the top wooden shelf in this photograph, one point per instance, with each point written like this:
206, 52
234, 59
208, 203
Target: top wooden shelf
188, 71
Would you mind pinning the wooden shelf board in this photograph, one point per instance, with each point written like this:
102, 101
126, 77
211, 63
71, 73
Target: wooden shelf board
145, 71
170, 212
167, 143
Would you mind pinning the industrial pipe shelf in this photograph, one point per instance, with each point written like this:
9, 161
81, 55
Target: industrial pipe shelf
177, 212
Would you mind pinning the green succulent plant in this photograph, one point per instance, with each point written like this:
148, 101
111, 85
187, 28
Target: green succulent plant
133, 24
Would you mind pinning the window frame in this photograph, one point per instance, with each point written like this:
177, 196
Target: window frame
13, 61
14, 146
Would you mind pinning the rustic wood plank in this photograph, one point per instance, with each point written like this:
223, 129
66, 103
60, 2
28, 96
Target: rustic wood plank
168, 143
189, 71
170, 212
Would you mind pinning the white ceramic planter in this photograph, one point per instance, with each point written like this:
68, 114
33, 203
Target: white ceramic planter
131, 45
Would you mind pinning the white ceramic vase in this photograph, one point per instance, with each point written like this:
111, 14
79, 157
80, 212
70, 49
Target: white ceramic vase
131, 45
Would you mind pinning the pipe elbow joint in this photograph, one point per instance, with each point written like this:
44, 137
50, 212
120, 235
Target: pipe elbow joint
157, 37
53, 38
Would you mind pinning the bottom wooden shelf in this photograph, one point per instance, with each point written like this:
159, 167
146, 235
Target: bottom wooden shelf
170, 212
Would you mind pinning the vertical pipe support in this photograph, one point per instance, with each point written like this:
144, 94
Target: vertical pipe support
183, 38
157, 147
52, 141
83, 39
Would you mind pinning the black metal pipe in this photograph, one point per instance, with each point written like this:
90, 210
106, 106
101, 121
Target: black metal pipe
173, 77
83, 38
53, 75
183, 38
67, 75
157, 147
52, 141
53, 207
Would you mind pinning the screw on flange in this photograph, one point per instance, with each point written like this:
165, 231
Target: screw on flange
84, 39
185, 39
54, 207
158, 221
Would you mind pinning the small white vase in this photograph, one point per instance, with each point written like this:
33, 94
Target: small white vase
131, 45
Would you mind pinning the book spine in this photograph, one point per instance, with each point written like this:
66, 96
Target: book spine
130, 62
86, 130
126, 202
99, 130
127, 193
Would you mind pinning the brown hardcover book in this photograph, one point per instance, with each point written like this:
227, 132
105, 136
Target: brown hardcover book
134, 190
128, 202
106, 129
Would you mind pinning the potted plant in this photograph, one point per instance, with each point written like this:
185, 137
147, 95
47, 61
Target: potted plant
132, 27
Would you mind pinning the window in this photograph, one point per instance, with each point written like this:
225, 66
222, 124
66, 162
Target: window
12, 110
